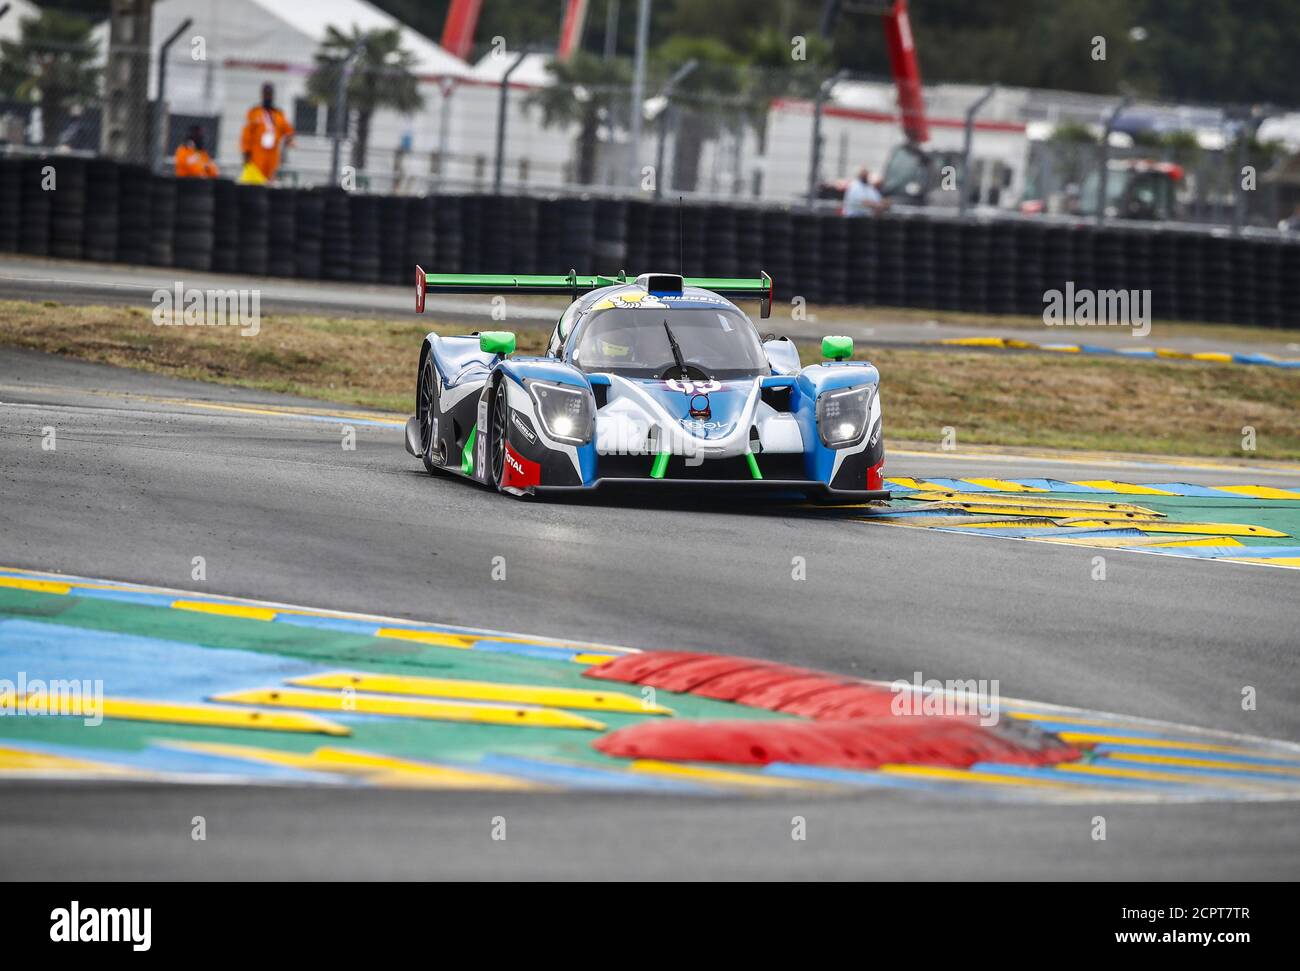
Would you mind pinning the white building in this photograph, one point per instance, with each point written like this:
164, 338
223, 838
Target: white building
217, 67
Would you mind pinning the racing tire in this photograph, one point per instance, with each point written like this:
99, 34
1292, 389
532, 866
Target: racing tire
426, 407
498, 435
498, 438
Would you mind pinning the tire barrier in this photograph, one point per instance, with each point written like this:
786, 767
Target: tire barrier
493, 243
808, 262
101, 210
639, 231
834, 233
523, 235
393, 248
162, 221
448, 242
609, 242
134, 213
34, 234
68, 209
336, 236
103, 189
309, 226
254, 205
363, 211
419, 239
749, 239
195, 215
471, 218
225, 231
720, 257
282, 231
11, 198
777, 248
693, 246
566, 236
665, 242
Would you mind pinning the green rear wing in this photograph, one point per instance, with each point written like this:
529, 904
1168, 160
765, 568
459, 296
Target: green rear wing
574, 285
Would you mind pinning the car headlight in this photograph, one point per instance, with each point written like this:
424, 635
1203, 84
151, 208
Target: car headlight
842, 415
565, 411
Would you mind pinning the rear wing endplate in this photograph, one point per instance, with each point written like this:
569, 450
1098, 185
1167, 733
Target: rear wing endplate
739, 288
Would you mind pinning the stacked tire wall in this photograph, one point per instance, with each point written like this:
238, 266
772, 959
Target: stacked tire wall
68, 210
103, 211
194, 236
134, 213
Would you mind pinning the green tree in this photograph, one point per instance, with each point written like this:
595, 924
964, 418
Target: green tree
588, 92
1197, 50
51, 64
381, 78
1076, 150
711, 97
774, 73
1181, 147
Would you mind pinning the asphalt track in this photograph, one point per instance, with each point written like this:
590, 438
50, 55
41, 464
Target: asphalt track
147, 475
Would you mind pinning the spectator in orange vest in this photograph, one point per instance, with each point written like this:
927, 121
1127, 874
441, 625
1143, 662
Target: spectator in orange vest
266, 131
192, 159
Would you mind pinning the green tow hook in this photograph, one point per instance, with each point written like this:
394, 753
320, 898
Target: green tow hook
753, 465
660, 467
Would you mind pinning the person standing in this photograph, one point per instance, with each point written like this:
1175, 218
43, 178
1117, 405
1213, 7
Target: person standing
265, 133
192, 158
861, 197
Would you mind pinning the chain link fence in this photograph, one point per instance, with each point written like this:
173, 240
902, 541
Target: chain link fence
52, 69
743, 135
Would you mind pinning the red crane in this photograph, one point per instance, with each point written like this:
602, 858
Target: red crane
902, 59
906, 71
462, 18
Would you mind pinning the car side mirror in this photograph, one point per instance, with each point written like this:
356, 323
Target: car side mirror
837, 348
782, 355
497, 342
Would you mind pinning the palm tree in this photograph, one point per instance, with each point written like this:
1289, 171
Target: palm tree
709, 100
773, 73
52, 64
381, 78
588, 92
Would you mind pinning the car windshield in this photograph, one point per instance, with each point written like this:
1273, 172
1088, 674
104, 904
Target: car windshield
1116, 183
719, 341
905, 165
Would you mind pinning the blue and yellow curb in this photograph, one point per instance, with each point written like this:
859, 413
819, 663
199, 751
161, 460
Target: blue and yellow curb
1138, 353
1245, 524
201, 688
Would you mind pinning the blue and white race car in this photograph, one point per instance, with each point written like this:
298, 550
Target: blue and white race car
657, 381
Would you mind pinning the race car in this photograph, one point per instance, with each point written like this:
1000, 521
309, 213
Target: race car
655, 381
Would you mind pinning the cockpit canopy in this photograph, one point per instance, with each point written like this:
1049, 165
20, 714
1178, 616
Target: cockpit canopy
633, 342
